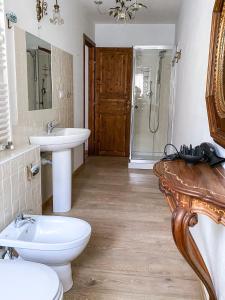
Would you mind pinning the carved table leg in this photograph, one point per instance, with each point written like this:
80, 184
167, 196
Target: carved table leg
182, 219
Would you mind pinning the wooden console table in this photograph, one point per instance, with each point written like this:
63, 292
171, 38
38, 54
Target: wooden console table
191, 190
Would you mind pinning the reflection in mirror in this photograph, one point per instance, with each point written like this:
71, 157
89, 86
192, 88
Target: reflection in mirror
38, 73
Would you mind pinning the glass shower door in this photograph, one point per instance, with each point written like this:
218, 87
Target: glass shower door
151, 103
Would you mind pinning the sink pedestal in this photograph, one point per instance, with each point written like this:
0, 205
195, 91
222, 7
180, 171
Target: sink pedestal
60, 142
64, 273
62, 180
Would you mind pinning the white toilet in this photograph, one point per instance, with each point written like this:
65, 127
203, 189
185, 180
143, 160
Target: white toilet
51, 240
23, 280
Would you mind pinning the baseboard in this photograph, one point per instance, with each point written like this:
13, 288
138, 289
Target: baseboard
143, 166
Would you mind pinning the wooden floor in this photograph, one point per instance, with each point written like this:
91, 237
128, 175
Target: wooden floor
131, 254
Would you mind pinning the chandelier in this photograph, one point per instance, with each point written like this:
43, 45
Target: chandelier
123, 11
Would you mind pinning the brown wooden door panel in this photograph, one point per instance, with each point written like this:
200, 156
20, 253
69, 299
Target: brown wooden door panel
114, 106
113, 76
113, 100
112, 142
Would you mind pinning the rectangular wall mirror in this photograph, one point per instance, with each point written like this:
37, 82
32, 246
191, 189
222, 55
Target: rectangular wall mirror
38, 73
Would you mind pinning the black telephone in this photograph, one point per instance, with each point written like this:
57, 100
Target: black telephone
206, 152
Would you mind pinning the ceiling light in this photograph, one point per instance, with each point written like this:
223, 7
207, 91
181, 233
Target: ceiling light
123, 11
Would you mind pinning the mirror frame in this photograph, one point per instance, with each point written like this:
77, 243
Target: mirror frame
215, 91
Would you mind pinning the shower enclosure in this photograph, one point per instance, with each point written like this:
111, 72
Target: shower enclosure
152, 105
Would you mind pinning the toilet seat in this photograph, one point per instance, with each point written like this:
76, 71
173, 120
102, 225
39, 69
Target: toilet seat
24, 280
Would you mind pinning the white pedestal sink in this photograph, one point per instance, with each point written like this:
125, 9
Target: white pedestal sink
60, 142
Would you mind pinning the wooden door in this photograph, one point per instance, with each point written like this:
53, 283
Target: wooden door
113, 100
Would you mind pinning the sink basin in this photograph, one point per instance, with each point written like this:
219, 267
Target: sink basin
60, 139
60, 142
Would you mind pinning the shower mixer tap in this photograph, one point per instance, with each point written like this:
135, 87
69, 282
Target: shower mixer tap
150, 92
154, 129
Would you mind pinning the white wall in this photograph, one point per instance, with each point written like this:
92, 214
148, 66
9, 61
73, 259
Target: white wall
193, 34
191, 122
68, 37
128, 35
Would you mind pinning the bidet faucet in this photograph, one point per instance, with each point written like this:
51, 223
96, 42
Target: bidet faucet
21, 220
51, 125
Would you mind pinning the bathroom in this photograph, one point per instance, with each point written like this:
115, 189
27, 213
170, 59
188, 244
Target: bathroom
88, 100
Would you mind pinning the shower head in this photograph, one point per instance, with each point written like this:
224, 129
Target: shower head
161, 56
162, 53
32, 52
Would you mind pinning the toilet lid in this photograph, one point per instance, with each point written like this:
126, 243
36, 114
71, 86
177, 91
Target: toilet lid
24, 280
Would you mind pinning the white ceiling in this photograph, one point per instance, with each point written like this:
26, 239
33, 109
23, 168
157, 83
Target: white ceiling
158, 12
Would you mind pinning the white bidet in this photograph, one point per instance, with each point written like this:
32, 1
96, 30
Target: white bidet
51, 240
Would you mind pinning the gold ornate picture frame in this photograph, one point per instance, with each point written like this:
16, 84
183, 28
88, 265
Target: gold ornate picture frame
215, 92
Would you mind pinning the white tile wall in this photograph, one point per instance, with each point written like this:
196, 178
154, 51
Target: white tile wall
33, 122
17, 193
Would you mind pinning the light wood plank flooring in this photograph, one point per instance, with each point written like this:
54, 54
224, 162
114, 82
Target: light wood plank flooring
131, 254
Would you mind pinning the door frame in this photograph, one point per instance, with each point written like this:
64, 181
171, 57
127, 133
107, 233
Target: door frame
91, 91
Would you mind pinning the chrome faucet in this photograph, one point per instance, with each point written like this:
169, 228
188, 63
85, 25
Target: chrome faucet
21, 220
7, 252
51, 125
